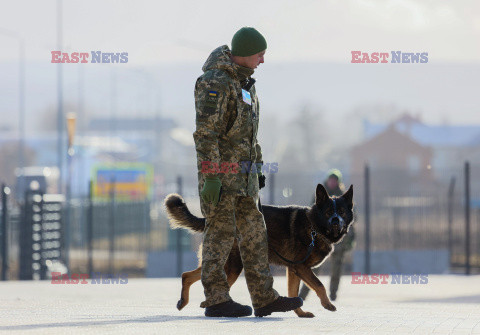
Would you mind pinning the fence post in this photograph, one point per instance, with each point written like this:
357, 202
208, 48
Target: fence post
271, 189
451, 192
396, 227
367, 219
179, 234
111, 227
146, 225
68, 214
90, 229
4, 192
467, 218
25, 238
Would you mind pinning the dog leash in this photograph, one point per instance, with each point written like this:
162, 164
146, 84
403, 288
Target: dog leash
310, 247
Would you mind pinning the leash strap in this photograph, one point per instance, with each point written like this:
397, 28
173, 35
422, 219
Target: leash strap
310, 247
309, 252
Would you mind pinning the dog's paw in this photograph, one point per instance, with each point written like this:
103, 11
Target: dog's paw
306, 315
181, 304
329, 306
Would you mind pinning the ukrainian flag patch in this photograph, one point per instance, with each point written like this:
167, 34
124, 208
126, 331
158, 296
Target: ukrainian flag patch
211, 99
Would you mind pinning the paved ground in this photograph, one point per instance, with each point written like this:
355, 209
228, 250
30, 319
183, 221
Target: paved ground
447, 304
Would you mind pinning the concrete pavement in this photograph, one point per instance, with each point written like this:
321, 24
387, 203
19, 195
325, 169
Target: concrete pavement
447, 304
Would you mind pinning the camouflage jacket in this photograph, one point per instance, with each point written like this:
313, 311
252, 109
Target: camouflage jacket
226, 125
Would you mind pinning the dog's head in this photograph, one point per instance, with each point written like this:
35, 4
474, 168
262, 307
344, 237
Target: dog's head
332, 216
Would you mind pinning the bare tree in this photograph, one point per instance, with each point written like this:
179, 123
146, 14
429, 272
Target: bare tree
9, 153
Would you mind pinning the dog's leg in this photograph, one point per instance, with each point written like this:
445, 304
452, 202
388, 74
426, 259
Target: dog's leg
233, 265
306, 274
293, 283
233, 269
232, 276
188, 278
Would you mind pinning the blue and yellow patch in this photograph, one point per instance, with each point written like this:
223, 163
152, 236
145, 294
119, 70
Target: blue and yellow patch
211, 100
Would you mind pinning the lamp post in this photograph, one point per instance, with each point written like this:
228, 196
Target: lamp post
60, 114
71, 122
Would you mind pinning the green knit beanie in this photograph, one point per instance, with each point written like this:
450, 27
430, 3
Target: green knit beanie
248, 41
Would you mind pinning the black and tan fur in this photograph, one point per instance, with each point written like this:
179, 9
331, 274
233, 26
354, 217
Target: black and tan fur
289, 231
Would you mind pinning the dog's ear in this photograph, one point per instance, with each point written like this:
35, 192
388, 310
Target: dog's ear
348, 196
321, 194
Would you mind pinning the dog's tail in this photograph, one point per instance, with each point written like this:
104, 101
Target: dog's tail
180, 216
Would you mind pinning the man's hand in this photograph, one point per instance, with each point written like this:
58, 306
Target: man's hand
211, 190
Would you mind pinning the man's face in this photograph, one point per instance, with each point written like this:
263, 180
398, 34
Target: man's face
332, 182
254, 60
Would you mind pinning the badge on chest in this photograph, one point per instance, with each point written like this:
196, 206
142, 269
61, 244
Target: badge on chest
246, 97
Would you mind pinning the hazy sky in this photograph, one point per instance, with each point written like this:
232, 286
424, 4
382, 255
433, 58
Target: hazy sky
168, 42
162, 31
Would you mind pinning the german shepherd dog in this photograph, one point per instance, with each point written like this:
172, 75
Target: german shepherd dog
299, 238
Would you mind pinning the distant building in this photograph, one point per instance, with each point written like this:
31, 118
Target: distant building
450, 144
408, 156
157, 141
392, 149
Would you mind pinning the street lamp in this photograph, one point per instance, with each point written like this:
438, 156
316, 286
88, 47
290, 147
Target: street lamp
71, 123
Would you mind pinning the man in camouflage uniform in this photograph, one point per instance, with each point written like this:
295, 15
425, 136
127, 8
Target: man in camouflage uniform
227, 115
334, 186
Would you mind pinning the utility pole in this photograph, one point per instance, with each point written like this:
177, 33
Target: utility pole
60, 118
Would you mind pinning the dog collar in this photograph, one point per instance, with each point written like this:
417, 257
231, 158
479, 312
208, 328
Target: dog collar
319, 236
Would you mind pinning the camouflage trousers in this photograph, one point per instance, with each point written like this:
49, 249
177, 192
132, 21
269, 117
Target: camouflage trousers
235, 217
337, 266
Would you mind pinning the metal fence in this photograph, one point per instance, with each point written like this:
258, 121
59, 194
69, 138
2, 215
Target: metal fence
421, 211
395, 210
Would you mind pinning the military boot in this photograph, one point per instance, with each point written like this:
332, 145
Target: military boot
282, 304
229, 309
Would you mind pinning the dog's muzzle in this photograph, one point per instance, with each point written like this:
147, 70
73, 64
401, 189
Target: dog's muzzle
336, 222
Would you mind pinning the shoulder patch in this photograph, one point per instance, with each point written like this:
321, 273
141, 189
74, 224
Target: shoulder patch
211, 99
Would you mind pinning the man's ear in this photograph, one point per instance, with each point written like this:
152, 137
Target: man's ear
321, 194
348, 196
